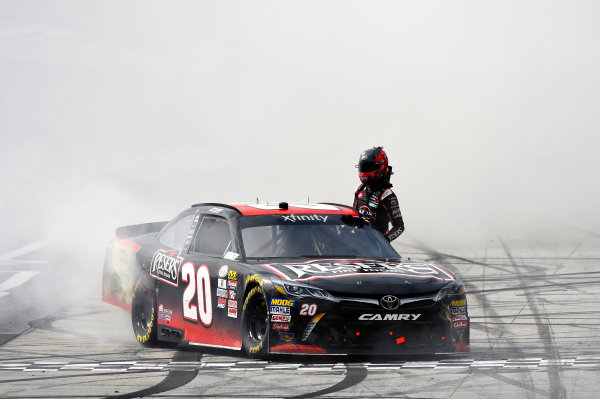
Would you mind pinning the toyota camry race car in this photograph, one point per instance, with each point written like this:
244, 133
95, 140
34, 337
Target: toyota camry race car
281, 278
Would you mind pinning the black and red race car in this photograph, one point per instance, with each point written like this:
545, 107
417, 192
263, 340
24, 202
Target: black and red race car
281, 278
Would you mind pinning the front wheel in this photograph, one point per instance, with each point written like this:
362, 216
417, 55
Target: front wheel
255, 324
143, 315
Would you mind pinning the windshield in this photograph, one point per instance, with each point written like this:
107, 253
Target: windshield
312, 236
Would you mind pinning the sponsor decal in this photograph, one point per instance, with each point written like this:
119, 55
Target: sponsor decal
216, 210
386, 194
221, 283
459, 317
232, 275
396, 212
299, 218
232, 294
168, 313
223, 271
280, 310
221, 302
394, 202
361, 194
256, 348
373, 204
460, 324
331, 269
221, 293
458, 303
231, 255
160, 308
161, 315
286, 338
254, 278
232, 312
283, 302
280, 327
366, 212
458, 309
389, 316
232, 304
232, 285
165, 266
281, 318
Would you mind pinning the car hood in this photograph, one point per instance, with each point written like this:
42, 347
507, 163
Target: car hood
366, 276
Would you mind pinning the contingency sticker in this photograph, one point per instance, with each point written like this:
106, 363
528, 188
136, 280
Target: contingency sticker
231, 256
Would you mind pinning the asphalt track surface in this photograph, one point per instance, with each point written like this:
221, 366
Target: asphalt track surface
535, 333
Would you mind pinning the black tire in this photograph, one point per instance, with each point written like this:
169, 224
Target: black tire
255, 324
144, 315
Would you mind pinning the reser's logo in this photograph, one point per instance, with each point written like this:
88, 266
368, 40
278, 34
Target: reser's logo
165, 266
389, 302
298, 218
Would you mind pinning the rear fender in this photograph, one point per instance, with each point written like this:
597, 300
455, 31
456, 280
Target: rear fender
119, 272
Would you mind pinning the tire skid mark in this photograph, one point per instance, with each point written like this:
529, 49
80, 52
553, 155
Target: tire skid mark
557, 390
527, 382
484, 300
435, 255
533, 276
510, 381
527, 288
95, 374
175, 379
354, 376
47, 323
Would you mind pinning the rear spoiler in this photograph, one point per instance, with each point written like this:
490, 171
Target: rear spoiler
139, 229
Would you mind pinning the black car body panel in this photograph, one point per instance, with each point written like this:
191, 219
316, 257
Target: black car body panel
322, 294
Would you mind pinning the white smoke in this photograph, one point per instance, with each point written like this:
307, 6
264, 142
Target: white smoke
119, 113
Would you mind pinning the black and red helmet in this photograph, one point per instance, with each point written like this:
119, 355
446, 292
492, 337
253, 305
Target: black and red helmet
372, 165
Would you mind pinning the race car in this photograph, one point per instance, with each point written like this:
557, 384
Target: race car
281, 278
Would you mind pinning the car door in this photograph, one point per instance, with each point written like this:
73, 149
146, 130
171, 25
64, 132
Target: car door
205, 301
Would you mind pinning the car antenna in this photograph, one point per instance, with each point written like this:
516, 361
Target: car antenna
257, 200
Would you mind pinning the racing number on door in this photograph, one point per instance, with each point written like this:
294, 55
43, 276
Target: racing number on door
308, 309
202, 282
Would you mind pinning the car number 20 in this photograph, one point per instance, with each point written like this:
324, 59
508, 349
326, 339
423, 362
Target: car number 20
200, 283
308, 309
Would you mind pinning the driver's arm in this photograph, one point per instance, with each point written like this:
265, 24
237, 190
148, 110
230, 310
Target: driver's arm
390, 204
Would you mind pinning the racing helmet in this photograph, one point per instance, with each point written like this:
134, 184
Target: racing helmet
372, 165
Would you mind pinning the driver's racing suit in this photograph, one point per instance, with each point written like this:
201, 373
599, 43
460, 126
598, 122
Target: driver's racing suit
378, 205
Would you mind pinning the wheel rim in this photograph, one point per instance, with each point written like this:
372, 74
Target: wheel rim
143, 312
258, 322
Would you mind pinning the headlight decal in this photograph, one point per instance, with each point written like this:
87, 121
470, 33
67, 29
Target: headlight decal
301, 290
310, 326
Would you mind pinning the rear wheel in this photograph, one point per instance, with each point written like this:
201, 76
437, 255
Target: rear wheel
255, 324
143, 315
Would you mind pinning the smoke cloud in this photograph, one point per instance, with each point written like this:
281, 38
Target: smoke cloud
116, 113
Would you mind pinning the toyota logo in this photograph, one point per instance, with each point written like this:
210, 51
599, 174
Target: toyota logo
389, 302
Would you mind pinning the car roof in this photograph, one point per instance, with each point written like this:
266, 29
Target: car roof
281, 208
252, 209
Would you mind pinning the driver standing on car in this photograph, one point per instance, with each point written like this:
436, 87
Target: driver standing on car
374, 199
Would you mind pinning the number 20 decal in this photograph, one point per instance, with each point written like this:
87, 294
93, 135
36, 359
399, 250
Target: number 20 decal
308, 309
201, 281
